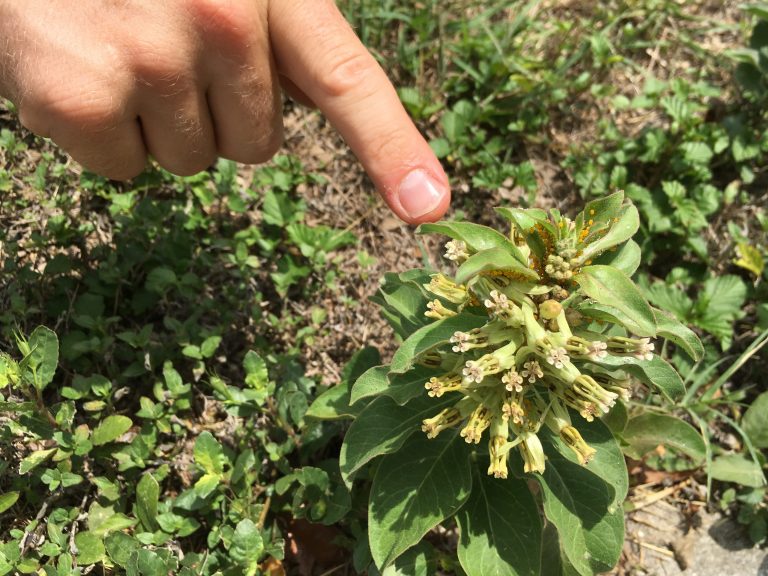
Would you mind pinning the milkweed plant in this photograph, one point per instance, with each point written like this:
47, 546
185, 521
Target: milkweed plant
498, 410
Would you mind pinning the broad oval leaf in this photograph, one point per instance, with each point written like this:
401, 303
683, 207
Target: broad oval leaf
609, 286
584, 507
413, 491
645, 432
525, 221
403, 301
627, 258
494, 259
619, 232
247, 543
475, 236
755, 421
400, 387
432, 335
603, 209
209, 454
382, 427
90, 548
44, 356
110, 429
7, 500
147, 499
678, 333
737, 468
421, 560
333, 404
656, 373
35, 459
500, 529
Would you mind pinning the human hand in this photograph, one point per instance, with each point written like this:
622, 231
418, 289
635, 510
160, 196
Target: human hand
186, 81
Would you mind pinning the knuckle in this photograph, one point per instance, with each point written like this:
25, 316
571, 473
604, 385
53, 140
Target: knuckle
190, 165
124, 172
391, 144
225, 22
111, 166
346, 71
261, 149
160, 71
91, 107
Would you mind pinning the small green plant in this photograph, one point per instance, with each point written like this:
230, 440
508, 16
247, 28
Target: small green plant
747, 496
98, 478
508, 372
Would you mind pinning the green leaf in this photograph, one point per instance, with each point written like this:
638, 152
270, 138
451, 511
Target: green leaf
755, 421
737, 468
400, 387
278, 210
403, 301
256, 373
645, 432
7, 500
145, 562
627, 258
432, 335
656, 373
619, 232
44, 356
114, 522
420, 560
586, 507
611, 287
719, 305
333, 404
34, 460
413, 491
147, 498
697, 152
750, 259
160, 279
525, 221
675, 331
110, 429
382, 427
500, 529
603, 209
617, 418
476, 237
206, 484
553, 560
671, 299
493, 259
209, 454
247, 543
90, 548
210, 345
16, 407
120, 546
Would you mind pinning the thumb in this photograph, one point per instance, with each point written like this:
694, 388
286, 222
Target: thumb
316, 49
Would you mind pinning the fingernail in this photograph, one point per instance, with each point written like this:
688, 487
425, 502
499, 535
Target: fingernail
419, 194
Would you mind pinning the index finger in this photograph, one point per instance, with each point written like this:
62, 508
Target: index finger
317, 50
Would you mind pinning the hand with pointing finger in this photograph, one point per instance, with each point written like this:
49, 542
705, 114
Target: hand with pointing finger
185, 81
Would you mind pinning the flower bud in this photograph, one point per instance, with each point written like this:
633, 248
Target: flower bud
498, 465
550, 309
448, 418
575, 442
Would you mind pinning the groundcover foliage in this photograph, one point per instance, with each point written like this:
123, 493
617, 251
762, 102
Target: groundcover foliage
508, 368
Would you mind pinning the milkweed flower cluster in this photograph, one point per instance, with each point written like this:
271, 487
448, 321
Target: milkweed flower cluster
539, 357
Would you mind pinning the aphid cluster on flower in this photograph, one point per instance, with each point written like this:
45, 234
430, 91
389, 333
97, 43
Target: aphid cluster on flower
528, 364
